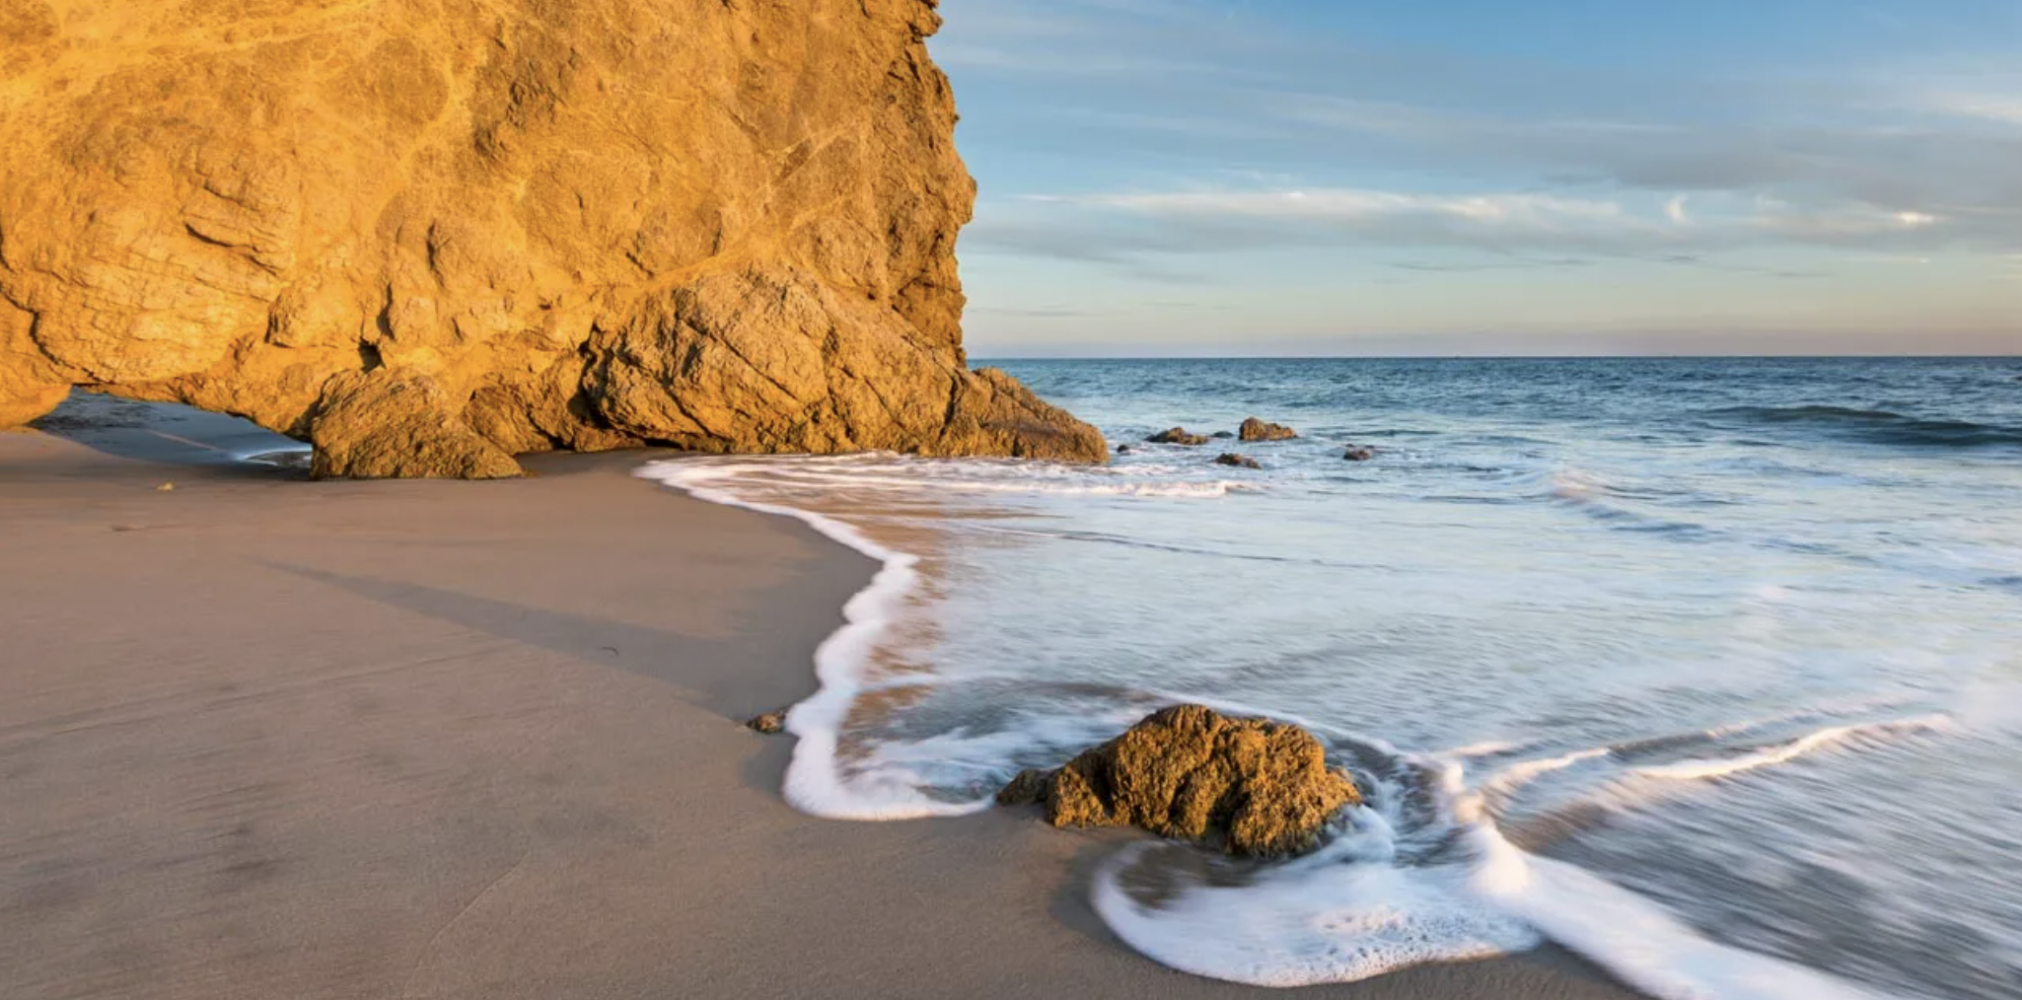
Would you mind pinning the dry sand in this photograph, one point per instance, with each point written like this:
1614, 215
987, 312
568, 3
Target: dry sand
267, 738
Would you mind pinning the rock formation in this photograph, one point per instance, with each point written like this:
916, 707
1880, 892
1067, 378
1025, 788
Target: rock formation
1178, 435
1254, 429
1248, 786
1359, 453
1239, 461
431, 234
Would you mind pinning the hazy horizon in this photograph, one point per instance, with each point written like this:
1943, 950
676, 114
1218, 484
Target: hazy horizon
1568, 178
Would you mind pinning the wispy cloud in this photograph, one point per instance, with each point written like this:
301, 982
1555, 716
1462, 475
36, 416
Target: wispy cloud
1119, 226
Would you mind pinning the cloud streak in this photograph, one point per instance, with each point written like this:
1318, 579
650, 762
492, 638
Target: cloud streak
1124, 226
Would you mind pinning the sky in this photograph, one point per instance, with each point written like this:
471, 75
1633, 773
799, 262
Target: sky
1344, 177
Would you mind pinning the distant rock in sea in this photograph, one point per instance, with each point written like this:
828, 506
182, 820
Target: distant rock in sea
1259, 430
1359, 453
1178, 435
1239, 461
465, 232
1247, 786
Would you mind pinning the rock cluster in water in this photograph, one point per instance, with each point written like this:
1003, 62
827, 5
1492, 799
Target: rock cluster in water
1253, 430
428, 237
1248, 786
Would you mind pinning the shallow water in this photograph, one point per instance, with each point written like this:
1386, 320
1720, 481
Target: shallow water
1707, 669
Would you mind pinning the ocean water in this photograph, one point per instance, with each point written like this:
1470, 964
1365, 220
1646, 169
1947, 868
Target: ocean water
1710, 670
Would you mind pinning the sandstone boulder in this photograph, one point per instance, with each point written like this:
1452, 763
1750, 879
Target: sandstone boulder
1254, 429
1178, 435
387, 425
1247, 786
769, 360
768, 723
559, 225
1239, 461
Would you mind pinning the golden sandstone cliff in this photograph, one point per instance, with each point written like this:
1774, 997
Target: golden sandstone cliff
427, 235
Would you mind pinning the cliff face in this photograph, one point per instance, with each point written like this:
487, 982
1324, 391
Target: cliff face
430, 234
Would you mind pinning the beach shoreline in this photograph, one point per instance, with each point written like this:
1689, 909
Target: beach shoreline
265, 737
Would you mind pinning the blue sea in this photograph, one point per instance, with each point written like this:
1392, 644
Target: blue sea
1709, 670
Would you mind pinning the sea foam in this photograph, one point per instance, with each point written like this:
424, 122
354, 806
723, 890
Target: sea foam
1393, 888
814, 781
1356, 910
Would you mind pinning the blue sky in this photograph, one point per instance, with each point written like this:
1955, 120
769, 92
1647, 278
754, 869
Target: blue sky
1207, 177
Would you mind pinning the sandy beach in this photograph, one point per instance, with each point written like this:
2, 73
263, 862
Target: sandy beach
263, 737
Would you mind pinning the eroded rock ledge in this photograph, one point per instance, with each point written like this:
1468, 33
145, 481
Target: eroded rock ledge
432, 235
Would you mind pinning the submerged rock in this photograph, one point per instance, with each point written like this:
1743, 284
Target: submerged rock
1239, 461
1247, 786
727, 227
1178, 435
1222, 435
1258, 430
1359, 453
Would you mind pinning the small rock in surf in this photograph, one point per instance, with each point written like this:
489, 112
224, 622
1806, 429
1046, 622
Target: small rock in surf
1239, 461
1247, 786
1260, 430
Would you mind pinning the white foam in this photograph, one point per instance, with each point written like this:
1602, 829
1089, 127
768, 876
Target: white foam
1632, 937
1635, 938
1485, 748
814, 781
1352, 911
1696, 770
886, 786
1345, 913
1517, 775
1207, 489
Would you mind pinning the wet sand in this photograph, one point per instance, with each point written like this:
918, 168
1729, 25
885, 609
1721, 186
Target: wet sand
265, 738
